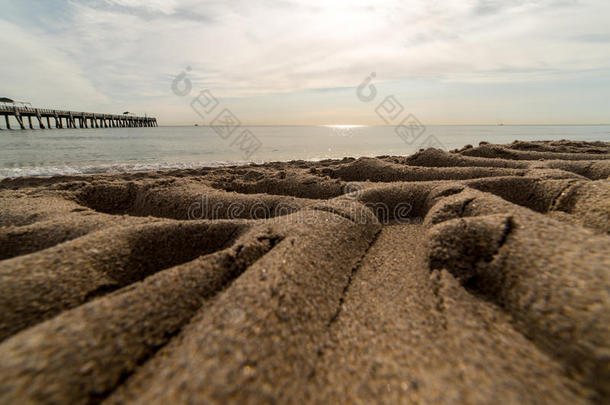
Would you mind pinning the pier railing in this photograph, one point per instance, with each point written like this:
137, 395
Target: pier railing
72, 119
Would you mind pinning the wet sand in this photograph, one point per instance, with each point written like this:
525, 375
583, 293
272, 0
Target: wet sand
479, 275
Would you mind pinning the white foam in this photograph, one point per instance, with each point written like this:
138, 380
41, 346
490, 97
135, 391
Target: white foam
57, 170
46, 171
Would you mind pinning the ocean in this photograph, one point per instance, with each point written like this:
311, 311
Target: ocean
73, 151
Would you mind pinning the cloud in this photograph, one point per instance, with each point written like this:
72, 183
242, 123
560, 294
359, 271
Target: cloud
288, 46
161, 6
32, 69
128, 51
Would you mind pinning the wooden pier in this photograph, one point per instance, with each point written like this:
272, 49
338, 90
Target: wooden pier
70, 119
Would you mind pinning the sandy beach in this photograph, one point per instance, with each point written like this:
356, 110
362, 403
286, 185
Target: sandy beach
479, 276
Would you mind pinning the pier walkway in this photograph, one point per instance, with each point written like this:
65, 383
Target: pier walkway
70, 119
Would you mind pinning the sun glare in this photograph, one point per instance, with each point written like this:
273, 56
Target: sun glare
344, 126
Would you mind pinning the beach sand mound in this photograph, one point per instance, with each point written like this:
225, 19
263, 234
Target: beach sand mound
476, 276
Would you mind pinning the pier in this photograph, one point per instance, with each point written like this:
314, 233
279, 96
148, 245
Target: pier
45, 118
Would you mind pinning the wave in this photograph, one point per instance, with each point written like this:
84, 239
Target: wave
54, 170
76, 169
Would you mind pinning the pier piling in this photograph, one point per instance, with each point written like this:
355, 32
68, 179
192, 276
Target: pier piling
39, 117
18, 117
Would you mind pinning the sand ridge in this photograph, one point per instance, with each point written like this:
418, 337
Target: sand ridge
472, 276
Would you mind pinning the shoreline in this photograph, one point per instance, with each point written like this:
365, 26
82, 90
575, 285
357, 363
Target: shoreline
130, 168
105, 150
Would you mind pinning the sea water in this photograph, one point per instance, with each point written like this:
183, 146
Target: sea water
44, 152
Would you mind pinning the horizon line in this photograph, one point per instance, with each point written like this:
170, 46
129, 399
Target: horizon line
385, 125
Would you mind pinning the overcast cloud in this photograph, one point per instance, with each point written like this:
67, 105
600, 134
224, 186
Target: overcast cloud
107, 55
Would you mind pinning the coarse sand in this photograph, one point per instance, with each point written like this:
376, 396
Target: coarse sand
476, 276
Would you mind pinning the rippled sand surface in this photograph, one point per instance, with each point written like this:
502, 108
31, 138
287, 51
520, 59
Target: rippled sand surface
474, 276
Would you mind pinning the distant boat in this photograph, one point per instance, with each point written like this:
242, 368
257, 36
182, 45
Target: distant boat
501, 124
196, 125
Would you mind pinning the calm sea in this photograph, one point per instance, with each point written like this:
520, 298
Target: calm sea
72, 151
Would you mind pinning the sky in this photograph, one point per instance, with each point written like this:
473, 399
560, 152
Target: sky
301, 62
